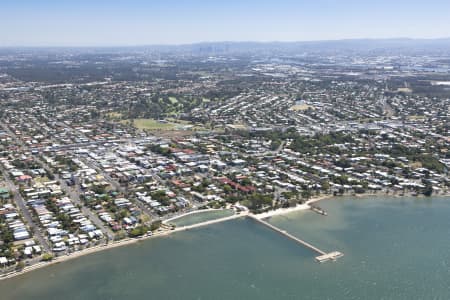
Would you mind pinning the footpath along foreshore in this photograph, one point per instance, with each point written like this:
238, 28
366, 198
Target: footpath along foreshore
193, 213
167, 232
129, 241
116, 244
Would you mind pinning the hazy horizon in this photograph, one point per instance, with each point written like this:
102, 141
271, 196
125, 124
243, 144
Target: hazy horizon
445, 38
120, 23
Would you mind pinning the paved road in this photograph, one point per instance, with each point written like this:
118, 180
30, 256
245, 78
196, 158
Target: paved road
117, 185
75, 197
21, 204
72, 193
35, 228
99, 170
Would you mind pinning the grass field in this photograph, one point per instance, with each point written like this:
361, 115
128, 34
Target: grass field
178, 122
152, 124
171, 125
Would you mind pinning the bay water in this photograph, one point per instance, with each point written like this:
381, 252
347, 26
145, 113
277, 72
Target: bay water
394, 248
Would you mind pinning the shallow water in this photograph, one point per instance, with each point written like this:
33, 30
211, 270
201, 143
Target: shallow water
202, 217
395, 248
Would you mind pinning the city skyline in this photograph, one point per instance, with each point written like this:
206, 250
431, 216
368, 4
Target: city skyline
239, 149
135, 22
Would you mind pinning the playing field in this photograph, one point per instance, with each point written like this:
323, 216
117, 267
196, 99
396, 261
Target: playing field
152, 124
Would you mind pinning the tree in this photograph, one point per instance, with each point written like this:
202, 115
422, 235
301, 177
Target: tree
155, 225
428, 190
306, 194
325, 186
123, 213
257, 201
143, 218
227, 189
120, 235
20, 265
138, 231
47, 257
246, 181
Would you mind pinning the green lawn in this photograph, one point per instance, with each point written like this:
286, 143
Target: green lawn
152, 124
173, 124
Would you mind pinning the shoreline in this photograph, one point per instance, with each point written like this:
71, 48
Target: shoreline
298, 207
116, 244
167, 221
129, 241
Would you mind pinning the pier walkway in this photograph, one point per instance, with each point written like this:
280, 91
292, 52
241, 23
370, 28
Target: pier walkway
322, 257
206, 223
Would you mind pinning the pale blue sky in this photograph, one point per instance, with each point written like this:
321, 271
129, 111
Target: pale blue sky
139, 22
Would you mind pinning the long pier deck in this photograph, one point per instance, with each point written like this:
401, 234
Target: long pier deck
322, 257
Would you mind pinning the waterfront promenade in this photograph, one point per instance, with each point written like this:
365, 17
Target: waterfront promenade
119, 243
323, 256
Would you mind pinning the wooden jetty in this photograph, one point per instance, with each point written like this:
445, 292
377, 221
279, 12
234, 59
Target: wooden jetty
322, 257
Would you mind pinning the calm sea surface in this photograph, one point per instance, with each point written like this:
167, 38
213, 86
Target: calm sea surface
202, 217
395, 248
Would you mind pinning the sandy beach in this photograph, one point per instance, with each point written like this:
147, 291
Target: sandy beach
299, 207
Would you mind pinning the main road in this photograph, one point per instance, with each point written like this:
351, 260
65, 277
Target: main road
74, 195
35, 229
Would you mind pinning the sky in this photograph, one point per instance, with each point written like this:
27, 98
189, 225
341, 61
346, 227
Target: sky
140, 22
